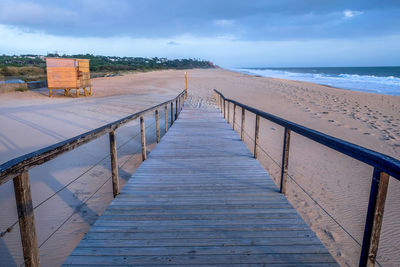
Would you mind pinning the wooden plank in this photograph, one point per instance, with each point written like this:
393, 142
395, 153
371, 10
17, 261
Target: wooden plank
261, 241
200, 199
60, 62
201, 250
202, 259
197, 234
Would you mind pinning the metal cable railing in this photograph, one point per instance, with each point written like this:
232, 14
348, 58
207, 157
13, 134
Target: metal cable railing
304, 191
17, 169
384, 167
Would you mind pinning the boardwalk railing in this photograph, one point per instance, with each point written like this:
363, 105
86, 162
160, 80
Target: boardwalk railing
17, 168
384, 166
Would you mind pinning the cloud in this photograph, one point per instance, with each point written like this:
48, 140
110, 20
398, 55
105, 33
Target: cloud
222, 51
223, 22
246, 20
351, 13
35, 16
172, 43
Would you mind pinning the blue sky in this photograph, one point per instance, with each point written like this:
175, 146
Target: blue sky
230, 33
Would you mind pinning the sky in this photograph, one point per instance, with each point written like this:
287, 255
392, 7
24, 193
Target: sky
230, 33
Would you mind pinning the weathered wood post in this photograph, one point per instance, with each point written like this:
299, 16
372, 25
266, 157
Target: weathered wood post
228, 112
157, 126
176, 109
26, 219
186, 87
114, 163
166, 117
373, 223
172, 112
242, 125
234, 116
257, 128
224, 109
143, 135
285, 160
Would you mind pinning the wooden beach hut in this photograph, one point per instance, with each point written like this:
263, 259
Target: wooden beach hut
68, 74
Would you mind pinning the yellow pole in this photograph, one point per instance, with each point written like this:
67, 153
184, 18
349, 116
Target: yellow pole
186, 88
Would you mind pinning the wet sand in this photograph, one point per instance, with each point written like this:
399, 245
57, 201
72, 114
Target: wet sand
338, 184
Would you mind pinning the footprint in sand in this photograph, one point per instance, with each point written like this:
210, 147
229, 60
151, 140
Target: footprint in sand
354, 128
331, 120
366, 134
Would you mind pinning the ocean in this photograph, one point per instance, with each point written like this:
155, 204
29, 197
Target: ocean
380, 80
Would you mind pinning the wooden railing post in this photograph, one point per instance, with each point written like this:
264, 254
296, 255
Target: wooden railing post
157, 126
285, 160
224, 109
176, 109
143, 137
186, 87
114, 163
234, 116
172, 112
373, 223
242, 125
166, 117
257, 128
26, 219
228, 113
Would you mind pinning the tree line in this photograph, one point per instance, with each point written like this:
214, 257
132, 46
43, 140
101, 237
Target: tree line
31, 65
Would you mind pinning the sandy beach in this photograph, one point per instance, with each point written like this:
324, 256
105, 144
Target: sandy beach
328, 189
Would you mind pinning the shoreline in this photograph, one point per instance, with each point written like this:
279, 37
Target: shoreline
366, 88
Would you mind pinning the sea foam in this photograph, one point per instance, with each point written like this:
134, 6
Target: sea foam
389, 85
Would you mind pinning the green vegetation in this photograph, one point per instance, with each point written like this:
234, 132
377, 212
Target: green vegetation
21, 71
21, 89
33, 67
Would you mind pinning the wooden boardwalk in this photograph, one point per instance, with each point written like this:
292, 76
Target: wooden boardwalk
200, 199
